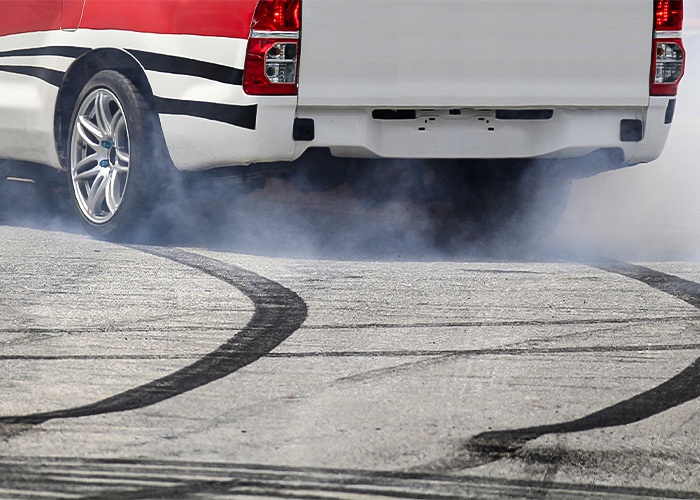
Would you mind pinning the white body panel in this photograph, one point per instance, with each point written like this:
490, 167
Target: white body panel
198, 144
27, 104
475, 53
26, 120
475, 133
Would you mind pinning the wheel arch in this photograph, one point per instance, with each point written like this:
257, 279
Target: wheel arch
77, 76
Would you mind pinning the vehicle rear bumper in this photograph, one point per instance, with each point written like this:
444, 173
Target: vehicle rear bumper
441, 133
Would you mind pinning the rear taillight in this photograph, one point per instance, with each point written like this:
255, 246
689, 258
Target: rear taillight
668, 57
272, 58
668, 15
668, 66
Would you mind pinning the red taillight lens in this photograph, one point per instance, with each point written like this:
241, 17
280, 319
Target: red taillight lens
270, 67
668, 66
668, 15
272, 57
277, 15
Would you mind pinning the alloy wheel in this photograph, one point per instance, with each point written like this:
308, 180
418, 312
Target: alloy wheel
99, 155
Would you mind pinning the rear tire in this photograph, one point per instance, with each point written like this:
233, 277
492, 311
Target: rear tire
116, 162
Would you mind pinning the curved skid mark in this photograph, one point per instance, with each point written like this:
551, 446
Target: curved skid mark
680, 389
279, 312
494, 445
685, 290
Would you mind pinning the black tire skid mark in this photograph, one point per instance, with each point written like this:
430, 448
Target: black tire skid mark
684, 387
279, 312
58, 477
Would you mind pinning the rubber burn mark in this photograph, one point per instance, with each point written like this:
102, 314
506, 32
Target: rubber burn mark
279, 312
494, 445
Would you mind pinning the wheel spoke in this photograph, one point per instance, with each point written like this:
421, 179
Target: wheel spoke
87, 174
117, 122
97, 193
123, 156
84, 126
120, 168
111, 193
101, 115
85, 162
121, 139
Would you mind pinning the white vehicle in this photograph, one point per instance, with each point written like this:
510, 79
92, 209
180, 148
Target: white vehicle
472, 97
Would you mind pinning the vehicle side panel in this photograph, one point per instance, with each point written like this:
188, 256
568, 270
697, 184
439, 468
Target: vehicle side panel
221, 18
72, 14
25, 16
26, 97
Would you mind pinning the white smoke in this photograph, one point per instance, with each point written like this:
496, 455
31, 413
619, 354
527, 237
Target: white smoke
649, 211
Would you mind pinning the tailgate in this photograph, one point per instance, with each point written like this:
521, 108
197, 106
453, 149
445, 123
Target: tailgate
475, 53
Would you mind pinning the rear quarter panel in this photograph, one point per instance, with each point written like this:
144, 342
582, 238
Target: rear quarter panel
221, 18
166, 37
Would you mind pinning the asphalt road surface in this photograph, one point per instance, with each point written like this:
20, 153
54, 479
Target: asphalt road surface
337, 352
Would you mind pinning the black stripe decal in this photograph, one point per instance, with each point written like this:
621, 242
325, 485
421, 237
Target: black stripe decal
61, 51
190, 67
149, 60
50, 76
240, 116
